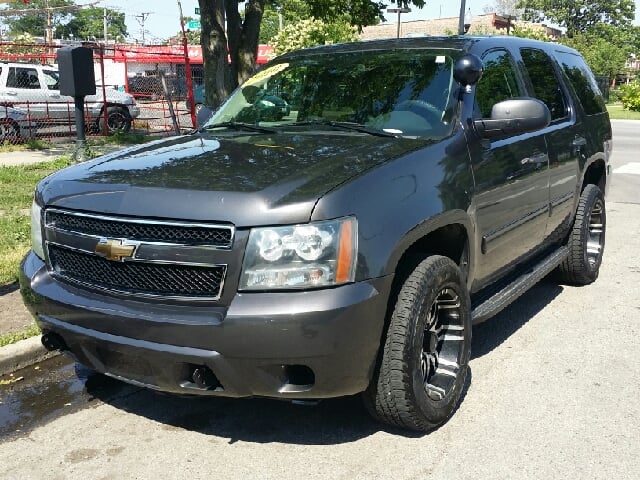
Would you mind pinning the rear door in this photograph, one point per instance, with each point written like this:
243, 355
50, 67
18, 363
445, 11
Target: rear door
61, 107
511, 176
24, 91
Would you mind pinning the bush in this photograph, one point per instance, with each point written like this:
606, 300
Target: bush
630, 96
614, 96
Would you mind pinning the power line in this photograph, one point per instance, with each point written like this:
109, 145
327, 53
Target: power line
141, 19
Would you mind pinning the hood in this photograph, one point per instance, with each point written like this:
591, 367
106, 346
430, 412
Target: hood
246, 180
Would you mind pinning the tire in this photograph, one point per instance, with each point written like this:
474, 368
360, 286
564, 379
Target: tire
118, 120
586, 240
423, 369
9, 132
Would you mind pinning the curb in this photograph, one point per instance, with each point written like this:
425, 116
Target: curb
22, 354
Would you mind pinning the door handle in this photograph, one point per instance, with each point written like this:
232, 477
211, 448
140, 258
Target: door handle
579, 142
12, 93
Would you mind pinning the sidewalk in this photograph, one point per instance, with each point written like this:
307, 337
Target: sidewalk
26, 157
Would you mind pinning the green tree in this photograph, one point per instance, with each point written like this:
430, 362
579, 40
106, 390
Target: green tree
241, 37
603, 57
287, 11
579, 15
89, 23
36, 24
193, 36
312, 32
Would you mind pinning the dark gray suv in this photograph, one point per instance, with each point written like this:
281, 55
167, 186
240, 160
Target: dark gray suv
415, 187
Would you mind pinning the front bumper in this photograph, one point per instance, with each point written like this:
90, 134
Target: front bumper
314, 344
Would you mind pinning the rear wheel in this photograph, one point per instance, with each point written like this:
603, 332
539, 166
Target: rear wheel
118, 120
424, 364
586, 241
9, 132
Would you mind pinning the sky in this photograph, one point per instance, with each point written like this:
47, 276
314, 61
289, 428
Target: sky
163, 19
162, 16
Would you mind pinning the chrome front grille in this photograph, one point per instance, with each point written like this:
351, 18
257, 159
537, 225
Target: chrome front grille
139, 257
141, 230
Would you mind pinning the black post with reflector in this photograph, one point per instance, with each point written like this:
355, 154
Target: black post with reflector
77, 79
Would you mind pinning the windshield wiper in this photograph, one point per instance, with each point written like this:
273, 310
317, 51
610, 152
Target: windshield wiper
352, 126
240, 126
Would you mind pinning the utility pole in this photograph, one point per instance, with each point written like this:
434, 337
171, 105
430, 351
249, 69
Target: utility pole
187, 70
104, 24
142, 18
49, 30
461, 19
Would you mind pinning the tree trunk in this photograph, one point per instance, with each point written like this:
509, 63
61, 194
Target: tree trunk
220, 75
249, 38
217, 82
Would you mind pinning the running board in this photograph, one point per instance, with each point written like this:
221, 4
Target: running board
520, 285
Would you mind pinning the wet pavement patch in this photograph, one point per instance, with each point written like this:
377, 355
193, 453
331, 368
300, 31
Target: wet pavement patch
40, 393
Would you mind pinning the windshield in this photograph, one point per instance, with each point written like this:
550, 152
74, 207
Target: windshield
402, 92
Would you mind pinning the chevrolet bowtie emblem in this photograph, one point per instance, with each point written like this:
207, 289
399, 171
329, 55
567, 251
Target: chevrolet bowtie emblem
114, 250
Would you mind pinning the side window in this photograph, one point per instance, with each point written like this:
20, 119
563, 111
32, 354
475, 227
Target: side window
546, 86
499, 82
583, 82
21, 77
51, 79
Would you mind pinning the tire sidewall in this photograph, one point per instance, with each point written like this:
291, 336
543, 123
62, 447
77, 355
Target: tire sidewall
591, 195
448, 277
121, 112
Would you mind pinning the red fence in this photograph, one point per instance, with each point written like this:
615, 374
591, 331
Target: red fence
143, 87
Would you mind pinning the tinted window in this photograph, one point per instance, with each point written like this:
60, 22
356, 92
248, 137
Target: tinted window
23, 78
498, 82
545, 83
583, 82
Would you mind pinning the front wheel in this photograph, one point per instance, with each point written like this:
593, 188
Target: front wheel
424, 364
586, 241
118, 120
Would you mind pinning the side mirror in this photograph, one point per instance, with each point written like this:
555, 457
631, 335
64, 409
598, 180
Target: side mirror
203, 115
513, 117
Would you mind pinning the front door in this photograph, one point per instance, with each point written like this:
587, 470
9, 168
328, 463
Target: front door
511, 176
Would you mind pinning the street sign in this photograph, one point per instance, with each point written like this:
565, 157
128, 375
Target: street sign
197, 11
194, 25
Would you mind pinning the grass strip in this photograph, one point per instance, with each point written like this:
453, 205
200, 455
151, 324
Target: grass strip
616, 112
17, 184
9, 338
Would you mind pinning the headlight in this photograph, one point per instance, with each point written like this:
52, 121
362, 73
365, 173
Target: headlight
316, 254
36, 230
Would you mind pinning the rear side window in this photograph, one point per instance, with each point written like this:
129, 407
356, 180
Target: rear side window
583, 82
499, 82
544, 81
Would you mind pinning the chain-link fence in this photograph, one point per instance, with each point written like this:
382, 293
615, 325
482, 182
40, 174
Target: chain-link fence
140, 89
